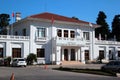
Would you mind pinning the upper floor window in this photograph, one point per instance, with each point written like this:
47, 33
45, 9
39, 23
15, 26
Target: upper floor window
41, 32
65, 33
72, 34
86, 35
24, 32
59, 33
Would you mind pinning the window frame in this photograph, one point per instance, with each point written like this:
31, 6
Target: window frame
41, 32
40, 52
86, 35
66, 33
72, 35
59, 34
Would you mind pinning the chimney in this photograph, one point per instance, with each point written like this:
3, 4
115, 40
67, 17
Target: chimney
17, 16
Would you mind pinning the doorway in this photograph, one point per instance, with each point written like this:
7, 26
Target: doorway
72, 54
66, 54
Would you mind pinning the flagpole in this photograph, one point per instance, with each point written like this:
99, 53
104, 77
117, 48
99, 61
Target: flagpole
11, 33
12, 23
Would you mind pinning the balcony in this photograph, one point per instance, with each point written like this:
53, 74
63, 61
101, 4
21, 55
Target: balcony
70, 41
12, 37
41, 39
104, 42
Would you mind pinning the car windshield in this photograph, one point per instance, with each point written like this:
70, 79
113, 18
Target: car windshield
21, 60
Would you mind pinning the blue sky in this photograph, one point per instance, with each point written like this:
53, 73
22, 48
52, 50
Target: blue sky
86, 10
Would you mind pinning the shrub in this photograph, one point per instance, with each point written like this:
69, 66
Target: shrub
31, 58
7, 61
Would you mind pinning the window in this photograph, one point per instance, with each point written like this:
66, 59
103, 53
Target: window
16, 52
24, 32
101, 54
40, 52
1, 52
59, 33
72, 34
41, 32
118, 53
86, 35
65, 33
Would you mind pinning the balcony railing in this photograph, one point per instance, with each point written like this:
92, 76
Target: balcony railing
106, 42
12, 37
70, 41
43, 39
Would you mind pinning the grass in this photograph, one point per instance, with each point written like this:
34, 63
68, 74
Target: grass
88, 71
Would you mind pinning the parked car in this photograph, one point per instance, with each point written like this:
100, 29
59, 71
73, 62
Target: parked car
112, 66
18, 62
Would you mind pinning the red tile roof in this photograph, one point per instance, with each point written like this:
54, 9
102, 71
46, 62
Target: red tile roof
49, 16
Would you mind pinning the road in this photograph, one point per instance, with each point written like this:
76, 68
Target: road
39, 73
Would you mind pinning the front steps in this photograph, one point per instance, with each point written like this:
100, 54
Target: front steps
71, 63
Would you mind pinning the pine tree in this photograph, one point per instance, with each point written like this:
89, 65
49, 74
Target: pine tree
104, 29
116, 27
4, 21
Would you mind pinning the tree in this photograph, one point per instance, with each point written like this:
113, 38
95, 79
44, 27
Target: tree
104, 29
4, 21
31, 58
75, 18
116, 27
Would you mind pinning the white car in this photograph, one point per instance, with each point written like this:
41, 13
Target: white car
19, 62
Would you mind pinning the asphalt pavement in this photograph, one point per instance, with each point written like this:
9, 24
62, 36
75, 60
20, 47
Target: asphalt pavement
45, 72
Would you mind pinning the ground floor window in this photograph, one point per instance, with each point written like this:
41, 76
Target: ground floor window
16, 52
40, 52
86, 54
101, 54
118, 53
1, 52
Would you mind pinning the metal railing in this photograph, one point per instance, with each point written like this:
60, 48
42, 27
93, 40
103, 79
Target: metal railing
14, 37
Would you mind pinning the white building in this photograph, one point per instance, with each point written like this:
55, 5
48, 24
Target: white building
54, 39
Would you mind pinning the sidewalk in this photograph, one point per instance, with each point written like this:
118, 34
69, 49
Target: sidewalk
79, 66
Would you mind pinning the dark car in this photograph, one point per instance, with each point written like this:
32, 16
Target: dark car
112, 66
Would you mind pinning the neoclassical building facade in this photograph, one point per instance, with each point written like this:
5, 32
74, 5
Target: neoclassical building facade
55, 39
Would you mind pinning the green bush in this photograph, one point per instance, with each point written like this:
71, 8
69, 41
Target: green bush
31, 58
7, 61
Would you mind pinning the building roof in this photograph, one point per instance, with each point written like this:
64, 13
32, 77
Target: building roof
49, 16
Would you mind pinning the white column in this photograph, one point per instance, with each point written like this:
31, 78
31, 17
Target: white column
82, 55
107, 53
62, 54
8, 49
58, 55
78, 54
90, 52
116, 53
69, 54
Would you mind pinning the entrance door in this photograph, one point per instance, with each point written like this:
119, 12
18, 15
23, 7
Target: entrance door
86, 55
66, 54
72, 54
